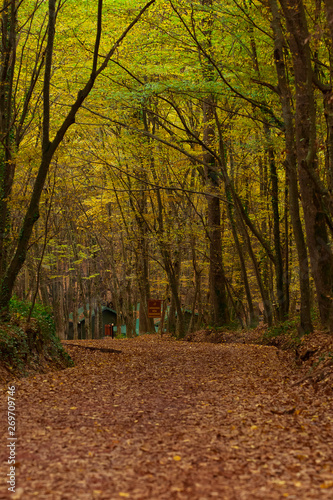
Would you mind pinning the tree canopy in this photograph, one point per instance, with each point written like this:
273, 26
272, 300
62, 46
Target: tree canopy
168, 149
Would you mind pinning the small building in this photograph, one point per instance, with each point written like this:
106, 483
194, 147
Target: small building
109, 316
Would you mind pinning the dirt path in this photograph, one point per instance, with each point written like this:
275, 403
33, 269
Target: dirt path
170, 420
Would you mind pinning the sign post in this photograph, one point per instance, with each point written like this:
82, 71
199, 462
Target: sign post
154, 308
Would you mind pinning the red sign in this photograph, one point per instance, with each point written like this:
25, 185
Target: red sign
154, 308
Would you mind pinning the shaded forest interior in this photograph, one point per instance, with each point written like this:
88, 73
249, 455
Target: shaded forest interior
174, 150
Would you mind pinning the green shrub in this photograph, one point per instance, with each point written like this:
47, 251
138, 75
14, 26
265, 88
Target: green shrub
281, 328
285, 333
14, 348
20, 343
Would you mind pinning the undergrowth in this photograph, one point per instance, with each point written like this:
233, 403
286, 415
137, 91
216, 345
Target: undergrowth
283, 335
25, 346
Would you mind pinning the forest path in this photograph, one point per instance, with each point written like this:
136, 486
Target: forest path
170, 420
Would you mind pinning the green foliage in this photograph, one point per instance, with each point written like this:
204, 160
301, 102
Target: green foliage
41, 313
284, 335
14, 347
315, 316
233, 326
287, 327
127, 186
120, 336
22, 344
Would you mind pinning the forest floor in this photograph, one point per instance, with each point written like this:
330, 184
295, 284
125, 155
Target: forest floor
165, 420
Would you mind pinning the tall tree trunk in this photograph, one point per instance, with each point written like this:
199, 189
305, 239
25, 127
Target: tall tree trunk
75, 316
58, 306
291, 169
328, 95
286, 249
197, 290
142, 263
252, 319
99, 319
89, 310
217, 284
305, 125
172, 267
7, 165
244, 220
219, 313
268, 315
282, 309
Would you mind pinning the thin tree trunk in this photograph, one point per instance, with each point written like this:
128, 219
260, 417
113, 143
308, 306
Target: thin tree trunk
291, 169
252, 319
282, 309
197, 290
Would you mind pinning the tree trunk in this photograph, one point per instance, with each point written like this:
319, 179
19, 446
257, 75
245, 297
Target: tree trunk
328, 96
142, 265
7, 165
282, 309
219, 313
252, 319
291, 169
197, 290
305, 125
172, 270
58, 307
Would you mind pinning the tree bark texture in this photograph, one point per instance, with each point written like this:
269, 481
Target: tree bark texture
291, 169
305, 126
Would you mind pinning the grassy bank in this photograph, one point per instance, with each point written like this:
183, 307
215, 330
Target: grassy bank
27, 347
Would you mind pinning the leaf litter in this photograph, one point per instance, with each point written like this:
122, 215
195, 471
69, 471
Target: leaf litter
171, 420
